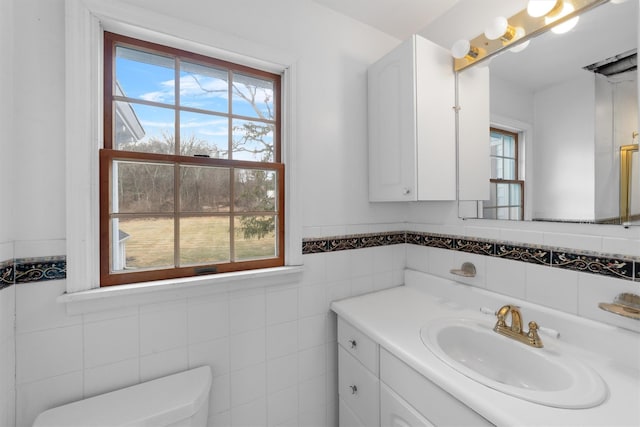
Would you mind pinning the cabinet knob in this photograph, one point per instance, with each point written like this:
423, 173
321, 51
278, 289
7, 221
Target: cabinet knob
353, 343
354, 389
406, 191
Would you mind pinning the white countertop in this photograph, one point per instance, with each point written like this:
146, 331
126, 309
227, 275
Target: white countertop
393, 318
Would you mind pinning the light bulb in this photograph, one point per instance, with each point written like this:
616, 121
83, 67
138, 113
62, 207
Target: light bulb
567, 26
520, 33
538, 8
463, 48
497, 28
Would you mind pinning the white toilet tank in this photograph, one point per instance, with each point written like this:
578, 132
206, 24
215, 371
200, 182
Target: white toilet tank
176, 400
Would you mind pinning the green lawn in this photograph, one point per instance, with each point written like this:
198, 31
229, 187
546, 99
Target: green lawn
204, 240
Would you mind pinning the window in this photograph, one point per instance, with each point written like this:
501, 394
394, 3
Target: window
506, 189
191, 177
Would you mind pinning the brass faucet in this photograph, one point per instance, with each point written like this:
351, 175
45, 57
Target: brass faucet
515, 330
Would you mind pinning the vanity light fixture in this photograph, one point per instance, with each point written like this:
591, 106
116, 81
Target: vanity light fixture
463, 49
514, 34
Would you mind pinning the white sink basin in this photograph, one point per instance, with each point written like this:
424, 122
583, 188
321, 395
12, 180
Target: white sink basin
538, 375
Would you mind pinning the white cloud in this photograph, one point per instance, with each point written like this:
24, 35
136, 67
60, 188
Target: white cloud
203, 87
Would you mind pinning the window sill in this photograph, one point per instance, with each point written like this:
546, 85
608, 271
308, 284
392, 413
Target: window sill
112, 297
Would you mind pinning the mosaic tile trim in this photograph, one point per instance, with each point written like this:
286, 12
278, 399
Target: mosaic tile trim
531, 254
356, 241
621, 267
478, 247
439, 241
6, 274
614, 267
40, 269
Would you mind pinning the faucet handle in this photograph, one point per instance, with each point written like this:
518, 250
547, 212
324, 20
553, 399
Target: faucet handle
534, 338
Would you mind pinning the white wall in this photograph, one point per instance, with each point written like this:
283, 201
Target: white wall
607, 155
7, 143
510, 100
562, 145
39, 120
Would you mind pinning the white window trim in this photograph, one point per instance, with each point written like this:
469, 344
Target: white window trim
85, 22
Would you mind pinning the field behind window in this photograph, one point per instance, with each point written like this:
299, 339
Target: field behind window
204, 240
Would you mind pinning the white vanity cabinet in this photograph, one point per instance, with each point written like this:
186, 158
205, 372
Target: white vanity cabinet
358, 383
411, 124
376, 388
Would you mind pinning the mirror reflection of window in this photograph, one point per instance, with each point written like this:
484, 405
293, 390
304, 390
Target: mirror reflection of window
506, 186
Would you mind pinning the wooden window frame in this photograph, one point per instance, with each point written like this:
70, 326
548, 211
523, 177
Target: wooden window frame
108, 155
518, 181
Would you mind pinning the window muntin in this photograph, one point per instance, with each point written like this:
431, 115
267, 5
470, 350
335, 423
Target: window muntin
191, 177
506, 189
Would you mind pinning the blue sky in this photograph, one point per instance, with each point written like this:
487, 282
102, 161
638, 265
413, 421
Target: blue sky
151, 78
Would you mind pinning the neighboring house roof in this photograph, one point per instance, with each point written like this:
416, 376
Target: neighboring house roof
128, 127
122, 236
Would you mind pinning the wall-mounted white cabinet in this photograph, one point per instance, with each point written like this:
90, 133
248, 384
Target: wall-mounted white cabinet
412, 150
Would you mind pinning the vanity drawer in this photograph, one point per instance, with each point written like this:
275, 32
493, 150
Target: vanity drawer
358, 388
395, 412
358, 345
432, 402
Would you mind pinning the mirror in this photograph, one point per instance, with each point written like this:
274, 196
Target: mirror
576, 128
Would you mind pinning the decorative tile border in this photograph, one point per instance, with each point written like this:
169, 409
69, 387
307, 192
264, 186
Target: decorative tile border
27, 270
40, 269
596, 264
6, 274
618, 266
356, 241
531, 254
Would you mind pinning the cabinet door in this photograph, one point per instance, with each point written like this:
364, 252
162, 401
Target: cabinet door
432, 402
395, 412
391, 126
411, 94
474, 165
346, 416
436, 125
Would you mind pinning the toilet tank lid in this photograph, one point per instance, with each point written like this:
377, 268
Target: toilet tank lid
153, 403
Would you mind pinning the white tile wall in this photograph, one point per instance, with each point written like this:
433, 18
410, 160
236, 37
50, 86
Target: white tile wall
593, 290
271, 350
506, 277
552, 287
565, 290
7, 356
